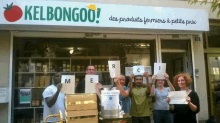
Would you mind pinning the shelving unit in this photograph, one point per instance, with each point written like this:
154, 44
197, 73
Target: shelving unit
30, 72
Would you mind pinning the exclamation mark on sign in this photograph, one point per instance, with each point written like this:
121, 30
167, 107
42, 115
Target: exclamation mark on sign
98, 14
159, 67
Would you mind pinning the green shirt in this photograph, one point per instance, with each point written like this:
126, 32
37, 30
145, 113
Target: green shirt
139, 102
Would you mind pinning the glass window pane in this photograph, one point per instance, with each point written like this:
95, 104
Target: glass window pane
174, 44
214, 36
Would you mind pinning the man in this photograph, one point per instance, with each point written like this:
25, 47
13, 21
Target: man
80, 88
54, 100
140, 110
126, 101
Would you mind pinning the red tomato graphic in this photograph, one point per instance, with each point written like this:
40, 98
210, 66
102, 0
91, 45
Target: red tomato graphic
12, 13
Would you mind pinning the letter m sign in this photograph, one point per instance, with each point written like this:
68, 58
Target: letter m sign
67, 80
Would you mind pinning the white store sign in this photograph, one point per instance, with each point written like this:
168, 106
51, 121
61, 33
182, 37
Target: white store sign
60, 13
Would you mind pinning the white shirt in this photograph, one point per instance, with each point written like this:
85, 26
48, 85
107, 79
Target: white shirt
59, 104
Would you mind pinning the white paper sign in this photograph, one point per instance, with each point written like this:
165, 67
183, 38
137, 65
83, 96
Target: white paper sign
138, 70
160, 70
2, 95
114, 68
177, 97
68, 86
148, 69
110, 99
90, 82
129, 70
145, 80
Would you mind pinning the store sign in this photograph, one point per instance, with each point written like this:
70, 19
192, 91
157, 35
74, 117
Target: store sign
101, 15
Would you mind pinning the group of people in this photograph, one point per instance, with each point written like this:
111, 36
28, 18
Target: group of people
134, 98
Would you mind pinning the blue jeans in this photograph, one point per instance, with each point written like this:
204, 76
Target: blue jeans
162, 116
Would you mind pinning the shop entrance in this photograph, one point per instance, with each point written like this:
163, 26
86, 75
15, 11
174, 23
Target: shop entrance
176, 53
214, 84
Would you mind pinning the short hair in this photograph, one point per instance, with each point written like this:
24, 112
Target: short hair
138, 76
123, 75
186, 77
89, 66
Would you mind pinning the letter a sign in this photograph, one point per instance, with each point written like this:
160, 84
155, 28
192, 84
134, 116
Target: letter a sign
68, 84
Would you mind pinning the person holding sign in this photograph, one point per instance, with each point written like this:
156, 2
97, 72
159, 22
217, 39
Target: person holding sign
140, 109
54, 100
185, 113
80, 88
161, 108
126, 101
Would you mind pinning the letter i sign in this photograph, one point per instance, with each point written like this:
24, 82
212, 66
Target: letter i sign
12, 13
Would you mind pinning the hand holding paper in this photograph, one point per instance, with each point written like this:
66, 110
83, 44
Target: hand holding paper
146, 74
177, 97
59, 86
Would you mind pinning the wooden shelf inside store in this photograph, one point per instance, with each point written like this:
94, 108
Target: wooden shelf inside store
27, 107
27, 87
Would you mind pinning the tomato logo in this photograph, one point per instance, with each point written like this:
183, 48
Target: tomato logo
12, 13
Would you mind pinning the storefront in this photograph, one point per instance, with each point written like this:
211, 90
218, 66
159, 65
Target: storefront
50, 37
211, 50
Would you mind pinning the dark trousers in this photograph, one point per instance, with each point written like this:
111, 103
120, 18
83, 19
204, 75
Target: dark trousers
145, 119
162, 116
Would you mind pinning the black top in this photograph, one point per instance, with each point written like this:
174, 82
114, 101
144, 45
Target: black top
183, 113
80, 88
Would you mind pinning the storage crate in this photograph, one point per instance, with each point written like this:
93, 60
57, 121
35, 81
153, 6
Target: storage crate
81, 108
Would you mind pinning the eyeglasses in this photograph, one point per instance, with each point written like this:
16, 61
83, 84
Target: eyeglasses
91, 69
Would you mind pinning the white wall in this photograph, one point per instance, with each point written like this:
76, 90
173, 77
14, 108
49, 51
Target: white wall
200, 84
4, 72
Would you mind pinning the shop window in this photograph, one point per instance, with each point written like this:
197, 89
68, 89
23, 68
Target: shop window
36, 60
174, 44
214, 37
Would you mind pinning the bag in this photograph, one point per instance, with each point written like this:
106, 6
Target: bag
211, 120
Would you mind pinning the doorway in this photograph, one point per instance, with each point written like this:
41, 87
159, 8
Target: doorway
213, 61
176, 53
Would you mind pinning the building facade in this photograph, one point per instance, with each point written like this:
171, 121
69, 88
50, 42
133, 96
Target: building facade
184, 48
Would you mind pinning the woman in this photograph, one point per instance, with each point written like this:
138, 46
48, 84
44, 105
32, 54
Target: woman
140, 110
185, 113
161, 108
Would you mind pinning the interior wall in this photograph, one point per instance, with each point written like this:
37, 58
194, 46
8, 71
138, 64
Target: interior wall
4, 72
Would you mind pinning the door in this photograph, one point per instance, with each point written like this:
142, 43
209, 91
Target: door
214, 83
176, 53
